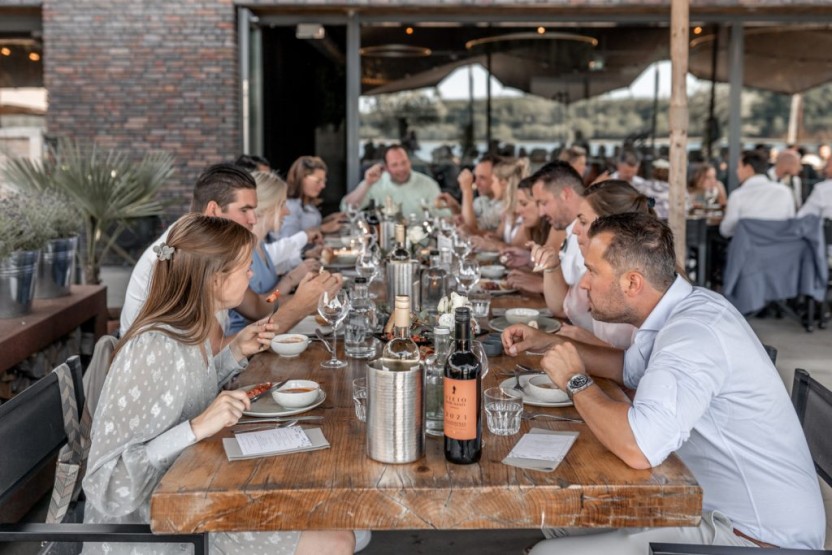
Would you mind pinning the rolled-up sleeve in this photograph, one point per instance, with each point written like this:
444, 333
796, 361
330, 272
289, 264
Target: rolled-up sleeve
681, 379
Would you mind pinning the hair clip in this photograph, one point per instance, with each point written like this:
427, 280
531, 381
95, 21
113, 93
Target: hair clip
651, 202
163, 251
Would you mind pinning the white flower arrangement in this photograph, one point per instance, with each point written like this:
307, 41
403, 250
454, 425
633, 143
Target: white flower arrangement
416, 234
446, 308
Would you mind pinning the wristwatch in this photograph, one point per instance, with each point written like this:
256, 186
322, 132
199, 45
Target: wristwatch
578, 383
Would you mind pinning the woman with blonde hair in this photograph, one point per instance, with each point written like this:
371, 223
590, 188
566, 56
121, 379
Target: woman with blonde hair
307, 180
162, 393
271, 209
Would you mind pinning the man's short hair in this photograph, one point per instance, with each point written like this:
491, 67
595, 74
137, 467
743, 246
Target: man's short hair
395, 146
557, 175
220, 183
640, 242
251, 161
571, 154
629, 157
492, 159
756, 159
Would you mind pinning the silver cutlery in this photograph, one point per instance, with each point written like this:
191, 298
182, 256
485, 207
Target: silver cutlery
536, 415
275, 426
272, 388
320, 335
518, 386
243, 422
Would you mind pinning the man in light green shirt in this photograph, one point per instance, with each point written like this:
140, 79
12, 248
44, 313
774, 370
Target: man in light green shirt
397, 180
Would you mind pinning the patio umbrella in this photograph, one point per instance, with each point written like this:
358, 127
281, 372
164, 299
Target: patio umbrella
786, 60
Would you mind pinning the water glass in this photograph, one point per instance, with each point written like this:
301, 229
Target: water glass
503, 411
359, 397
480, 304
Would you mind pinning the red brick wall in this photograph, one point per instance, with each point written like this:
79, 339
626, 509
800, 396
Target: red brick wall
146, 75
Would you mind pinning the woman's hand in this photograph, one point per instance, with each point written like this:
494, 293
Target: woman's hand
224, 411
330, 227
334, 217
254, 338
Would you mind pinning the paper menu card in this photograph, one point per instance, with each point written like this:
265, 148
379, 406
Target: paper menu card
541, 449
279, 441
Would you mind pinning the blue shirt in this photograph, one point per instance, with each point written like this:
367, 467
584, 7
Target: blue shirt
263, 281
707, 390
300, 218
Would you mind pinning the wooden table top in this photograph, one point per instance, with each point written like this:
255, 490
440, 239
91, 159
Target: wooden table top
341, 488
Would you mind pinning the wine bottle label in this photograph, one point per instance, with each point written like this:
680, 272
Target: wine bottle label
460, 409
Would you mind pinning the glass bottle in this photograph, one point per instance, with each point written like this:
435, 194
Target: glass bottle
400, 252
401, 352
359, 341
434, 377
434, 284
462, 389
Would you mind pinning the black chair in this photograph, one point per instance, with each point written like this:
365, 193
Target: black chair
813, 404
696, 238
32, 432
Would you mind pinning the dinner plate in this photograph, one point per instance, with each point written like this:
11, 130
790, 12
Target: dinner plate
546, 325
307, 327
529, 399
266, 406
496, 287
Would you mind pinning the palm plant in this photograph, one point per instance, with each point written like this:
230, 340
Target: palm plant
105, 186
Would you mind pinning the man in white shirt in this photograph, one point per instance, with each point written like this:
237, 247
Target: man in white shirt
397, 180
228, 191
786, 170
626, 169
819, 202
758, 197
704, 389
484, 212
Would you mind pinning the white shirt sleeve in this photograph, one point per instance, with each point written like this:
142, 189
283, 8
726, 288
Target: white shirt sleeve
732, 215
285, 253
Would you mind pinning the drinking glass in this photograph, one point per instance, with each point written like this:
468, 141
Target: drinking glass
480, 304
359, 397
333, 309
467, 275
502, 411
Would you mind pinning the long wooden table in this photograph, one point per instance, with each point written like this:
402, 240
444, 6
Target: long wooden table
341, 488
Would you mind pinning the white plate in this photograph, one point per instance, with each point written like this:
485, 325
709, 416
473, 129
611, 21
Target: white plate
547, 325
307, 327
528, 398
501, 288
266, 406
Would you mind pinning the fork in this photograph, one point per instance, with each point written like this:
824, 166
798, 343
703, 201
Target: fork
518, 386
320, 334
536, 415
267, 427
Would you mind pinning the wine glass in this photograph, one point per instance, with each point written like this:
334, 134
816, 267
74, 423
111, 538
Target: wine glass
461, 245
367, 264
352, 213
334, 309
467, 274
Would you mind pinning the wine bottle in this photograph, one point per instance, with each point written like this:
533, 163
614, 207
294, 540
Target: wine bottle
401, 353
463, 396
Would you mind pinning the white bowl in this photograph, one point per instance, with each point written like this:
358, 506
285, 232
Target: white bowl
541, 387
289, 344
488, 256
295, 394
521, 315
493, 272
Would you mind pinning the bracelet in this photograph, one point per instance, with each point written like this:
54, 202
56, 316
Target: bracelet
550, 270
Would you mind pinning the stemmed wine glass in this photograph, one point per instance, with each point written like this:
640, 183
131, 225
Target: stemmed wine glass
352, 213
461, 245
467, 274
334, 309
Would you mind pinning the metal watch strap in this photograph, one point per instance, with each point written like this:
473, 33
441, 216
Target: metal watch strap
572, 390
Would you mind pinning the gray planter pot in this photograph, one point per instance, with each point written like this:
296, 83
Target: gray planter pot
56, 268
18, 273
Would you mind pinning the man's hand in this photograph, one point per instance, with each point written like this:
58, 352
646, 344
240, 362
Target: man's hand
515, 257
561, 362
310, 265
446, 200
520, 337
373, 174
543, 258
310, 289
314, 236
466, 181
315, 252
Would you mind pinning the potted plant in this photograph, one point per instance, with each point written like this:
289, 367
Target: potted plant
106, 187
62, 224
22, 234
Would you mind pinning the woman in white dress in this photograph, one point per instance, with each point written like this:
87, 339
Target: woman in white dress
163, 391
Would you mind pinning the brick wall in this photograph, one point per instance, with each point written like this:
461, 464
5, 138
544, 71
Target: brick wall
152, 74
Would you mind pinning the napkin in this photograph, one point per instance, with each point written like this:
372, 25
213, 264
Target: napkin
279, 441
541, 449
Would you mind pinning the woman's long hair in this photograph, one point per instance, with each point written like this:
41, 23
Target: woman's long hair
180, 302
512, 171
540, 232
697, 177
615, 196
303, 166
271, 197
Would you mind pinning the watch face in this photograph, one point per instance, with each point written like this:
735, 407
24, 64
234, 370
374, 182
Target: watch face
578, 380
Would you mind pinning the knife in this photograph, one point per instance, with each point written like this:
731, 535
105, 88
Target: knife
278, 385
243, 422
